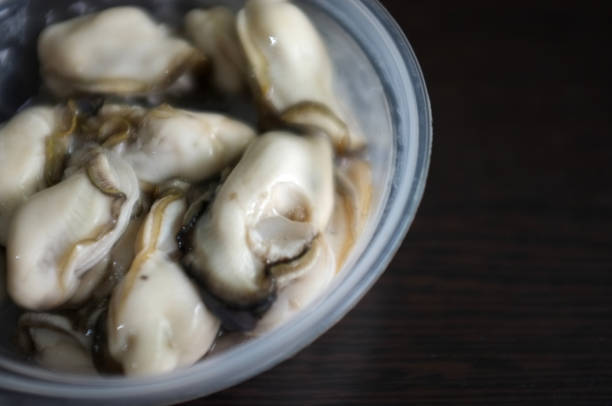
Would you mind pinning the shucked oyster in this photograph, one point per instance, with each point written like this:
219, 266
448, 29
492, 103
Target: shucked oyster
54, 343
271, 207
23, 157
188, 145
119, 51
156, 320
292, 68
213, 31
98, 283
113, 125
63, 231
314, 272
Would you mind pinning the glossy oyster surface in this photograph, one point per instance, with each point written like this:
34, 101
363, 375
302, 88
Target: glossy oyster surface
157, 321
214, 32
293, 72
271, 207
119, 51
192, 146
23, 157
305, 279
48, 254
54, 343
313, 274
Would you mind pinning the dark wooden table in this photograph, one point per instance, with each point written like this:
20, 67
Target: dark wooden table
502, 291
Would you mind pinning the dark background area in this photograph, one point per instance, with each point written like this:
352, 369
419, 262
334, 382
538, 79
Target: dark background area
502, 291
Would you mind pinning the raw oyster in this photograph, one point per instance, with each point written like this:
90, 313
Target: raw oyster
293, 73
269, 210
156, 320
90, 281
49, 254
54, 343
213, 31
23, 157
99, 282
314, 271
188, 145
119, 51
114, 125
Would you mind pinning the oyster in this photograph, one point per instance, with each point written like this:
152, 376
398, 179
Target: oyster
119, 51
114, 125
98, 283
213, 31
23, 158
90, 281
55, 343
156, 320
314, 272
192, 146
293, 72
49, 254
271, 207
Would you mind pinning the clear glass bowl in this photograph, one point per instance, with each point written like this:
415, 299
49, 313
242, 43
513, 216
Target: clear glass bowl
377, 72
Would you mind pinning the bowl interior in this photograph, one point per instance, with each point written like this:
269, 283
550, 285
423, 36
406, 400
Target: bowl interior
381, 84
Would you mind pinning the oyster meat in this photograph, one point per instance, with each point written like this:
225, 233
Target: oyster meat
213, 31
119, 51
188, 145
156, 320
271, 207
314, 272
352, 205
293, 73
54, 343
49, 254
23, 158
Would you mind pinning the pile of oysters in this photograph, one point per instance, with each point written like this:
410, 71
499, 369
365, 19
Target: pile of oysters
134, 234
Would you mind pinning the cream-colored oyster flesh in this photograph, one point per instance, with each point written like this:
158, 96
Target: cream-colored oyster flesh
316, 272
22, 158
188, 145
98, 282
55, 344
157, 321
90, 281
63, 231
114, 125
292, 68
271, 207
123, 253
119, 51
213, 31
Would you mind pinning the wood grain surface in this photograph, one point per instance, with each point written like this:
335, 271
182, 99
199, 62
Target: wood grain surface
502, 291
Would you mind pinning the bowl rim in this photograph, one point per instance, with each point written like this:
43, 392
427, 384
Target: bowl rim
306, 326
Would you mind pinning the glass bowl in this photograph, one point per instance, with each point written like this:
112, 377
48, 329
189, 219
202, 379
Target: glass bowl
377, 73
